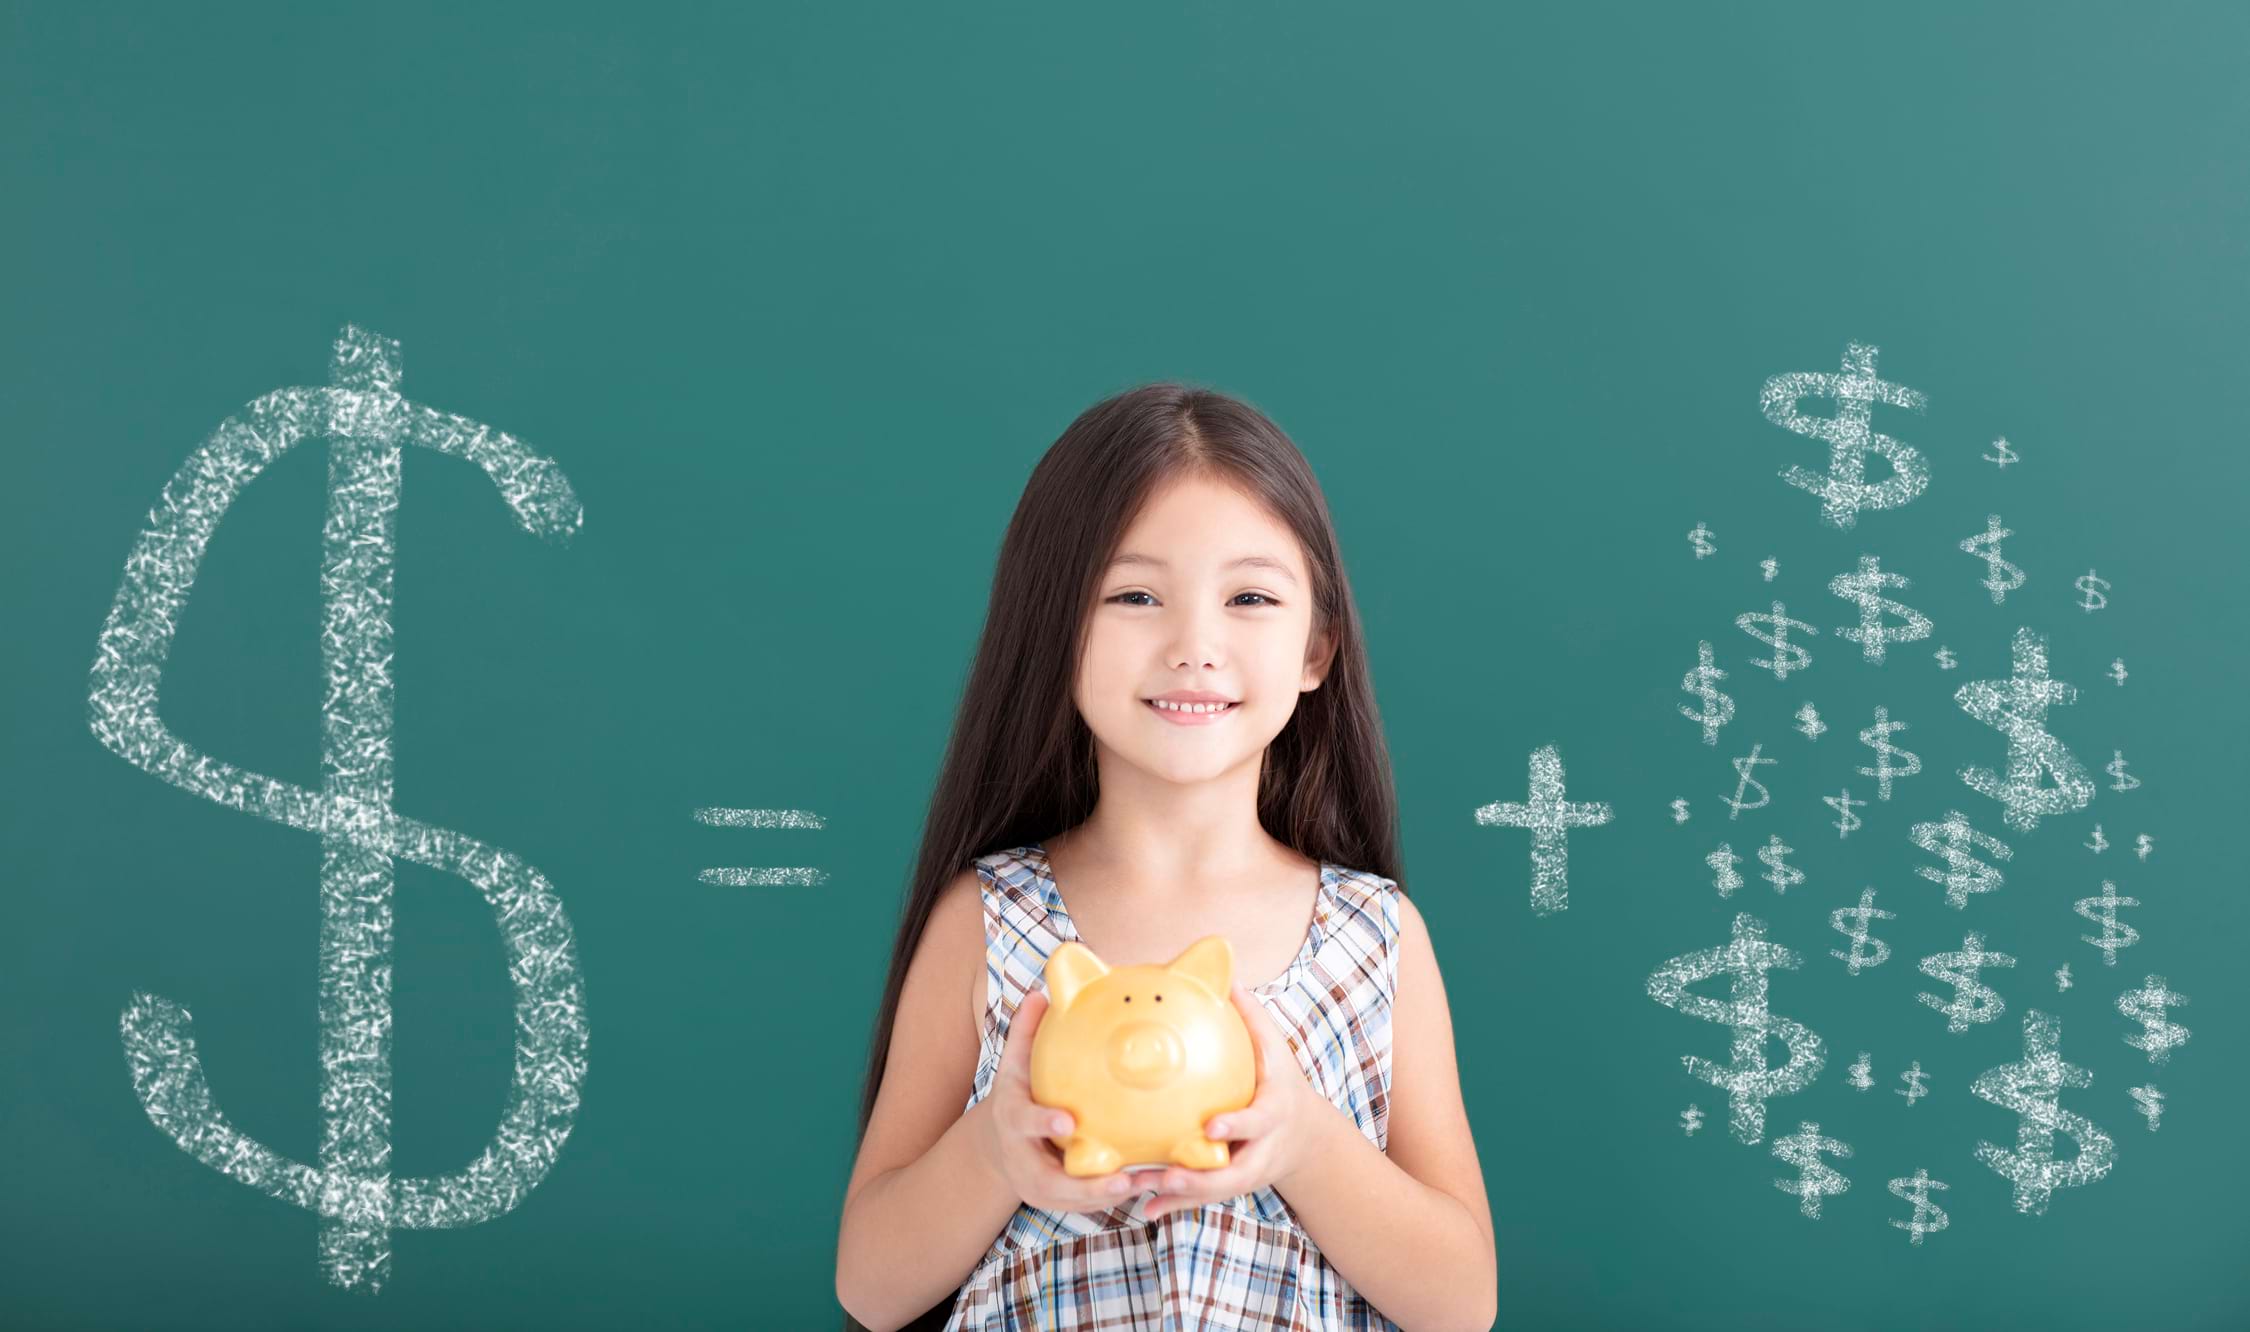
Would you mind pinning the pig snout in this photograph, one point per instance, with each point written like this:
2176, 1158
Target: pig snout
1145, 1054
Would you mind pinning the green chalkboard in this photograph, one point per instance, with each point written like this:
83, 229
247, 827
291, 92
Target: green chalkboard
727, 338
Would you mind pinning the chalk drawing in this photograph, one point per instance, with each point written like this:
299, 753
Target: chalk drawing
2147, 1005
2031, 1089
1864, 589
1928, 1216
1878, 738
2124, 781
1699, 537
1809, 722
1744, 767
1701, 681
368, 426
1747, 1081
1787, 656
2102, 910
2150, 1101
792, 876
1972, 1001
2000, 577
1722, 863
2091, 588
1843, 490
1916, 1082
1550, 819
2017, 707
1958, 843
1842, 803
1815, 1178
1858, 959
1779, 873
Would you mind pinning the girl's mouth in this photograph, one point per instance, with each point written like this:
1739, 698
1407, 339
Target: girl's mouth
1178, 718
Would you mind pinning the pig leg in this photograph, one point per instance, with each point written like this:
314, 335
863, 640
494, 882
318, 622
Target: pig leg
1198, 1152
1087, 1155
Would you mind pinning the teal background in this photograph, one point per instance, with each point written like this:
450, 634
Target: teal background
796, 295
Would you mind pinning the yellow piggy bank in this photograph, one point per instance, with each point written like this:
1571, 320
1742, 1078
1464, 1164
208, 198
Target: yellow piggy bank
1142, 1057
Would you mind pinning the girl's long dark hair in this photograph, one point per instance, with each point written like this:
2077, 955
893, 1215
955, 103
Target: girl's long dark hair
1019, 766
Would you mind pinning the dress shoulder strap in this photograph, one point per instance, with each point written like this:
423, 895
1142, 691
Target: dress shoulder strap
1018, 936
1362, 932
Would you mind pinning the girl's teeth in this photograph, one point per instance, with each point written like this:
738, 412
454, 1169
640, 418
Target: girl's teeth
1191, 707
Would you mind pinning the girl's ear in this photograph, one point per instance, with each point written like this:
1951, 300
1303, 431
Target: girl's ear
1320, 658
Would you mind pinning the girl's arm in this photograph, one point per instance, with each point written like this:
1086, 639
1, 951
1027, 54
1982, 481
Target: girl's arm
1408, 1224
912, 1235
924, 1204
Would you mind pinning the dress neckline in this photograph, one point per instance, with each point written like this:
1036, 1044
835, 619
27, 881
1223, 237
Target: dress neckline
1322, 906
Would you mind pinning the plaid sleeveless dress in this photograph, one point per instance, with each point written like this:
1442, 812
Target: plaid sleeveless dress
1240, 1263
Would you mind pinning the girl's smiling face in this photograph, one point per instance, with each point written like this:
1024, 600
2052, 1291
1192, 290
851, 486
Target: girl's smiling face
1209, 592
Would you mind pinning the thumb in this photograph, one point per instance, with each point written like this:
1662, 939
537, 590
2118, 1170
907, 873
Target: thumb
1016, 1057
1261, 1026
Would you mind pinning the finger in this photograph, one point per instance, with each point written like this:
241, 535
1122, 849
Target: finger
1188, 1187
1263, 1033
1044, 1122
1025, 1024
1027, 1116
1247, 1122
1094, 1191
1013, 1076
1124, 1184
1259, 1024
1242, 1166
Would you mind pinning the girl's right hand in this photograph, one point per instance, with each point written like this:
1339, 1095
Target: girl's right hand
1016, 1142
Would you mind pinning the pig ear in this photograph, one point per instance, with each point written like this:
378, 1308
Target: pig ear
1071, 968
1209, 962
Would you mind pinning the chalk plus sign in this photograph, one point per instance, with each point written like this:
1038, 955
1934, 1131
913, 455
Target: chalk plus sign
1550, 817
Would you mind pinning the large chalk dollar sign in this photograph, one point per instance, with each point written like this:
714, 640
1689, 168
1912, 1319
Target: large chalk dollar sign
1747, 1081
1844, 489
367, 424
2030, 1088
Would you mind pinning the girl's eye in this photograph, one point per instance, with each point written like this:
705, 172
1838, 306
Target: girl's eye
1263, 599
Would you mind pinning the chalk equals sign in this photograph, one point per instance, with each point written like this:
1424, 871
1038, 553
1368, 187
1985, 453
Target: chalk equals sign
761, 818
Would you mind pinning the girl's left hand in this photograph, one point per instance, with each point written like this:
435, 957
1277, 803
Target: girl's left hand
1267, 1140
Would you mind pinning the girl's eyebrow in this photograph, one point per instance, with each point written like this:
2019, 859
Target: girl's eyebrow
1256, 561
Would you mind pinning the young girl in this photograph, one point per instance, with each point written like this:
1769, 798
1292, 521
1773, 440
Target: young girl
1173, 543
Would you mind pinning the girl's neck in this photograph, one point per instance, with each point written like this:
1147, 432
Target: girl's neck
1160, 870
